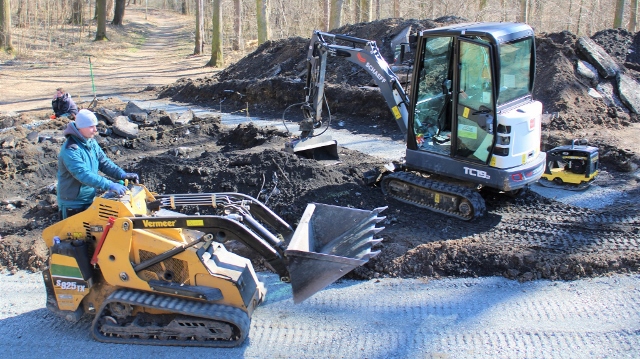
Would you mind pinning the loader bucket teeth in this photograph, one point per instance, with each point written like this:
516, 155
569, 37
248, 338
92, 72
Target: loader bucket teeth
317, 148
328, 243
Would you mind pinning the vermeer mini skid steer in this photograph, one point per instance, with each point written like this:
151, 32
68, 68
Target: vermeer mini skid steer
151, 275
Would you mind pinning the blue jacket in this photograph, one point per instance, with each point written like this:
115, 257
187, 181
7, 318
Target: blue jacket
78, 164
64, 105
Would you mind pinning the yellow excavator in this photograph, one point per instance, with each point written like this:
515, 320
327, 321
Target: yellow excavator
149, 274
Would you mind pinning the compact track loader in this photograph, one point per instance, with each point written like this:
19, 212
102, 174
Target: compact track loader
151, 275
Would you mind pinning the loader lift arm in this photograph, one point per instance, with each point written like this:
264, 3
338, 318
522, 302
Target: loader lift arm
362, 52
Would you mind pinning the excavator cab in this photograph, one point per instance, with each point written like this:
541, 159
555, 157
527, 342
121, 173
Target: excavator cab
473, 111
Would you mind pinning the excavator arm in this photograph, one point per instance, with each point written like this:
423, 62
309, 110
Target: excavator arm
364, 53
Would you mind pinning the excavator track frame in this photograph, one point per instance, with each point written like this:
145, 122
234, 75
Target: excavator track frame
437, 196
226, 318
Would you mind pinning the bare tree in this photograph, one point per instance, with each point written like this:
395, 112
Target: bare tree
326, 15
109, 9
185, 8
524, 11
5, 25
336, 14
366, 13
199, 46
216, 36
77, 12
262, 12
581, 14
101, 16
619, 13
118, 14
238, 43
396, 8
21, 14
633, 16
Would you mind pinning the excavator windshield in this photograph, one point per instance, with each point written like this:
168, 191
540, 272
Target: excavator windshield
515, 70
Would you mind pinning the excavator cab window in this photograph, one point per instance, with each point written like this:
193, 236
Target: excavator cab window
516, 66
433, 97
475, 104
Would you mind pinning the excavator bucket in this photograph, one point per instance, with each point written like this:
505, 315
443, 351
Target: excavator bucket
317, 148
328, 243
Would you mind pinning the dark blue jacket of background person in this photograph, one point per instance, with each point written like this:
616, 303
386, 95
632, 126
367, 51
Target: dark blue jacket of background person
64, 106
78, 164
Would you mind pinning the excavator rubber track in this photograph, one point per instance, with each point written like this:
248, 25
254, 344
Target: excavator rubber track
442, 197
189, 322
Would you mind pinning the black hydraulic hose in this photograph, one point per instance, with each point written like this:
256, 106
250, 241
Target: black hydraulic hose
170, 253
266, 235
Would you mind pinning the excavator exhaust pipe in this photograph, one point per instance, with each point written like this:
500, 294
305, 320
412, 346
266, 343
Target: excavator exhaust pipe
328, 243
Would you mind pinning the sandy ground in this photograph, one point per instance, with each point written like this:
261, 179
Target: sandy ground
163, 58
489, 317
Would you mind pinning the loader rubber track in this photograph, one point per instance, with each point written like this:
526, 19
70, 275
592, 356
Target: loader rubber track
188, 322
442, 197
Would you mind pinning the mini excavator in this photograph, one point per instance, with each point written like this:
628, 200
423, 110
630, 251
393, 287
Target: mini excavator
151, 275
469, 120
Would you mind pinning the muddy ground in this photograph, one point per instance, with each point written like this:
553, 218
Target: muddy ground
525, 238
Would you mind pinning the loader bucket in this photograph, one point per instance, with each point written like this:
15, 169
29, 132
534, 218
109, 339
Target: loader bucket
328, 243
317, 148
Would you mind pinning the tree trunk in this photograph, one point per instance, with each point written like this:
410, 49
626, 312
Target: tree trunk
633, 16
5, 26
238, 43
326, 15
262, 12
570, 14
101, 17
199, 46
336, 14
77, 12
524, 11
396, 8
20, 15
366, 11
118, 14
579, 24
619, 14
109, 9
185, 8
503, 4
216, 36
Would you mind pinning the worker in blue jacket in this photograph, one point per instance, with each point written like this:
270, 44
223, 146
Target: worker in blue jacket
79, 160
63, 105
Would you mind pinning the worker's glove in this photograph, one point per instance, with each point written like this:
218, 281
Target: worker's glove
118, 188
131, 177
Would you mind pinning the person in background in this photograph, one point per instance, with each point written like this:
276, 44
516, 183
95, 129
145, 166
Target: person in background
63, 105
79, 161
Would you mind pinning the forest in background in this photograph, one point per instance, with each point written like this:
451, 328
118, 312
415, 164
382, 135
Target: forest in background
64, 22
